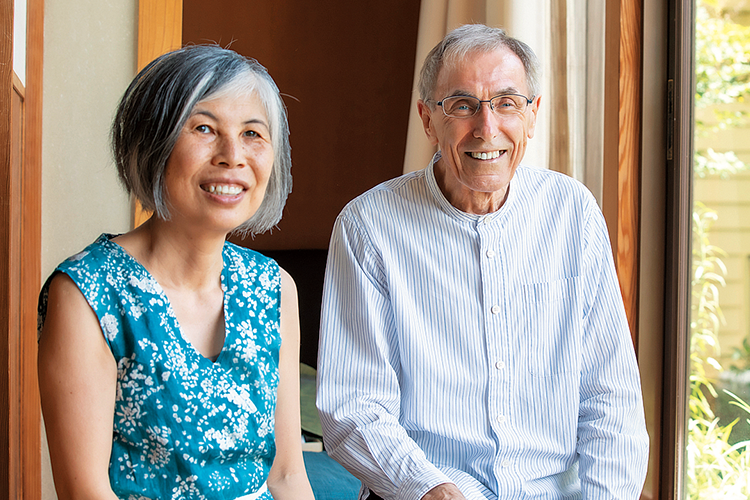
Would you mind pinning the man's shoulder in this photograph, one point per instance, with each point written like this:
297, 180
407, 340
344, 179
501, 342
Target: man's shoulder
541, 181
383, 195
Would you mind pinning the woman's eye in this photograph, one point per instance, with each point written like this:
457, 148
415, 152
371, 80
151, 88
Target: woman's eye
204, 129
252, 133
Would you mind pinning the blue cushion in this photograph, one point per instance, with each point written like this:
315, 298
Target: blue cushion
329, 480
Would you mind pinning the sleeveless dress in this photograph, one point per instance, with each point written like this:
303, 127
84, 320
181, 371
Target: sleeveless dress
185, 427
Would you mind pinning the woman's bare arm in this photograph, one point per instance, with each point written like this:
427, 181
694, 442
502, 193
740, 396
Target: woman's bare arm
288, 479
77, 383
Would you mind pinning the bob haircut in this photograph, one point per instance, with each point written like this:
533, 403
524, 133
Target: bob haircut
160, 99
475, 37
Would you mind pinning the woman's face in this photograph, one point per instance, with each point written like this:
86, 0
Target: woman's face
216, 176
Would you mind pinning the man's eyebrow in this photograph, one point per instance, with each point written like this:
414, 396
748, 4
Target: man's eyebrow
503, 91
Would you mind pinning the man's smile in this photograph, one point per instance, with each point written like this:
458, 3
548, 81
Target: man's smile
489, 155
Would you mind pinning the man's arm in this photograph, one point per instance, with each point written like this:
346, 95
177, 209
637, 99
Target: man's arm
612, 439
359, 396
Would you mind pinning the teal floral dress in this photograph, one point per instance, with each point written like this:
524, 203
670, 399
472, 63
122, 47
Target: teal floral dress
185, 427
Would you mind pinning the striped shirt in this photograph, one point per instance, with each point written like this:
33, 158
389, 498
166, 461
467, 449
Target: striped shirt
489, 351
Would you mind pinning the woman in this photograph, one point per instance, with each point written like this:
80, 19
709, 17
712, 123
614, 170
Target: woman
168, 358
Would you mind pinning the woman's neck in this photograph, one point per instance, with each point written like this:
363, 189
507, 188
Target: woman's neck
176, 258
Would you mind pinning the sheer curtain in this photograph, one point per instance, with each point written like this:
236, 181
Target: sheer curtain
568, 38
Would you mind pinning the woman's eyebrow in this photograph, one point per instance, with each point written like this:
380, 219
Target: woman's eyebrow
246, 122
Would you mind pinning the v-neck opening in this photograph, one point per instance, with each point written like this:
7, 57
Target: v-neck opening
168, 303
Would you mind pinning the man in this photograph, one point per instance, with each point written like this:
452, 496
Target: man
474, 343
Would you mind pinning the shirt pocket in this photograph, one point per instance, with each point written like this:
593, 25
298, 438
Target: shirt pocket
552, 326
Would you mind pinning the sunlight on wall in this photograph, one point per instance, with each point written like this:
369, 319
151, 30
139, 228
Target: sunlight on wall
89, 58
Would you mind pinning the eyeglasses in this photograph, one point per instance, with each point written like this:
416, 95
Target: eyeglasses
464, 106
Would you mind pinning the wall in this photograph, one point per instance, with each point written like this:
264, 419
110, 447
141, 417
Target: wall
346, 70
89, 58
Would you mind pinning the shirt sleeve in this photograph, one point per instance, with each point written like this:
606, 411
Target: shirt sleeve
612, 439
358, 373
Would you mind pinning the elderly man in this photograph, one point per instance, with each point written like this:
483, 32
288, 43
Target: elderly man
474, 343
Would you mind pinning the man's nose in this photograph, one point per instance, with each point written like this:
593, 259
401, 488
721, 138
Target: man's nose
487, 121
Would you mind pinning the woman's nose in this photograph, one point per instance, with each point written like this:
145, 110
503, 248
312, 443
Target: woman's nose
230, 153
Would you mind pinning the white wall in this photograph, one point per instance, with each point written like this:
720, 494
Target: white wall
89, 59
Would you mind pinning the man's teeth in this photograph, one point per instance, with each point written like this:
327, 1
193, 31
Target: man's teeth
223, 190
485, 156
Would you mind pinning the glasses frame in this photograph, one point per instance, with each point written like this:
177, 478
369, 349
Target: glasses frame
488, 101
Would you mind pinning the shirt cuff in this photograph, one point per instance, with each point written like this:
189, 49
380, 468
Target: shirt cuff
420, 483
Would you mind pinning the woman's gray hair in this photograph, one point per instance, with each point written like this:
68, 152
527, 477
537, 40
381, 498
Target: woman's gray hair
160, 99
475, 37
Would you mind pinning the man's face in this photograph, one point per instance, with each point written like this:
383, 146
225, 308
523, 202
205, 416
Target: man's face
480, 153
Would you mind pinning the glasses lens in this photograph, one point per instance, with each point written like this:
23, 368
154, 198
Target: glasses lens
508, 103
460, 106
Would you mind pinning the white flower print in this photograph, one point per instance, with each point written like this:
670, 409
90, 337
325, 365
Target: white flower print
109, 326
213, 421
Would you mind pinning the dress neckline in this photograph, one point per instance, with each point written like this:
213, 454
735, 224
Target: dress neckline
106, 240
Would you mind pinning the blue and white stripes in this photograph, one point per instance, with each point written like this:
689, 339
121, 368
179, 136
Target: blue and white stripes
490, 351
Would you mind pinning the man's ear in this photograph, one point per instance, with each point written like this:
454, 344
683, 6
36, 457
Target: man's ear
425, 113
531, 117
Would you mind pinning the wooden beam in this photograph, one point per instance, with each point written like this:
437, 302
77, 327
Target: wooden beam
629, 154
621, 191
7, 300
20, 257
30, 466
159, 31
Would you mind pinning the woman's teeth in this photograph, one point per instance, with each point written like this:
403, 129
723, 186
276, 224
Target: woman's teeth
485, 156
222, 190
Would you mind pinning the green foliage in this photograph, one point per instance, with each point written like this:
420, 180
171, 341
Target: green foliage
722, 57
716, 467
741, 355
722, 72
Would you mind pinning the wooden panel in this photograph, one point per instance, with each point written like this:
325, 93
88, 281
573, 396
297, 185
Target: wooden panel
629, 154
20, 259
15, 332
346, 71
611, 120
6, 298
29, 456
159, 31
622, 139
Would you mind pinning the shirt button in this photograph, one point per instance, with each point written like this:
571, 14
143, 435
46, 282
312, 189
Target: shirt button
495, 309
501, 419
499, 365
490, 254
505, 463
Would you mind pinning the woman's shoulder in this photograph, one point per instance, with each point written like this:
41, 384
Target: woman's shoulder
242, 258
93, 256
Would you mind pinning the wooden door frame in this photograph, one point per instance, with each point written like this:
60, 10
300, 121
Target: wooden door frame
621, 191
20, 257
159, 31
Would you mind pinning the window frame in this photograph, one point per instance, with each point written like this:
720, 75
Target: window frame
680, 115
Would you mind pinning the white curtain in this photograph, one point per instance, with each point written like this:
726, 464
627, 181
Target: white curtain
568, 38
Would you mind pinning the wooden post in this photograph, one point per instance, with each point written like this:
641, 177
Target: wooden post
159, 31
